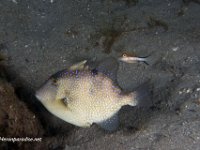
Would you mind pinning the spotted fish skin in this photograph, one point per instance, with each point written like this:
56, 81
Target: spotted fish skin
82, 98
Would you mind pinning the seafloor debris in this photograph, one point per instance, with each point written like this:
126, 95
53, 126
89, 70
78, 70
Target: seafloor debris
16, 120
154, 22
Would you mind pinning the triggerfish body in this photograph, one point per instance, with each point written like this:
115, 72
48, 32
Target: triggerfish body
82, 96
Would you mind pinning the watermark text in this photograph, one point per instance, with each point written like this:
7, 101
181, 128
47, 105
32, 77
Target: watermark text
24, 139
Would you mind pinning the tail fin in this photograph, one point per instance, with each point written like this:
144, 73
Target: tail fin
149, 59
143, 95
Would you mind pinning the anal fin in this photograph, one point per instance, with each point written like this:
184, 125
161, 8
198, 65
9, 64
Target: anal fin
110, 124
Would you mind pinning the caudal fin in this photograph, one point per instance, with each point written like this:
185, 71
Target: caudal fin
143, 95
148, 60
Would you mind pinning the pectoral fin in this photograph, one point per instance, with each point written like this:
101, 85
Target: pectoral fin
110, 124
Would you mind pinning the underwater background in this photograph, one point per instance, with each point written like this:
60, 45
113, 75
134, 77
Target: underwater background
41, 37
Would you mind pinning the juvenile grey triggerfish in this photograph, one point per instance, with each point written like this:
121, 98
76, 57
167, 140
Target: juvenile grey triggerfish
82, 96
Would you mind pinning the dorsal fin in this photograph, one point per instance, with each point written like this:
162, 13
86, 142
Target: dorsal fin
79, 66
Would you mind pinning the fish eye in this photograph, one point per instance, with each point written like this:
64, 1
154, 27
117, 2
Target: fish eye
54, 81
124, 55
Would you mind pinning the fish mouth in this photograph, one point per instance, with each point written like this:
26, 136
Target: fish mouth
47, 91
39, 95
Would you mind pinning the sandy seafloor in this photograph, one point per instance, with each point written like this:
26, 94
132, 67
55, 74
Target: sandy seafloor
40, 37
